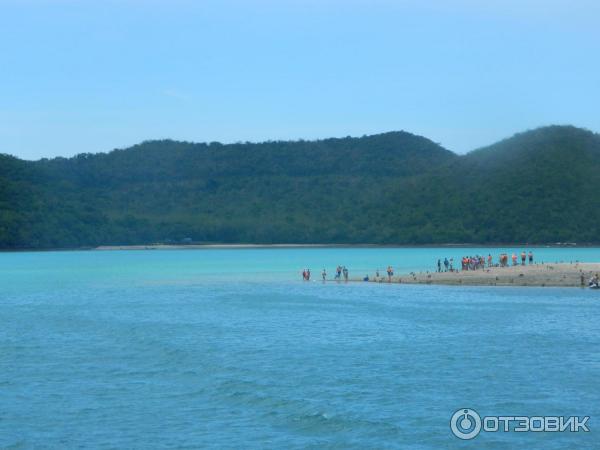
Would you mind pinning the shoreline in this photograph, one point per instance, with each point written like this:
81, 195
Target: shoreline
258, 246
536, 275
289, 245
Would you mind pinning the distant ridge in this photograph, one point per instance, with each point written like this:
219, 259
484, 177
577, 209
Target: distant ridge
540, 186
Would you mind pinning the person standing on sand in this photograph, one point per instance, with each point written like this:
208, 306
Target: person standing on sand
451, 264
446, 264
523, 256
439, 265
514, 259
530, 257
489, 260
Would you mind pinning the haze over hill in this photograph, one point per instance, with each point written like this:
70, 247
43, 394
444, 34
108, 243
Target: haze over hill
540, 186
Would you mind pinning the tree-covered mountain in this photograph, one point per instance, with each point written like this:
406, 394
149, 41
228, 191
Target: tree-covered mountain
541, 186
394, 188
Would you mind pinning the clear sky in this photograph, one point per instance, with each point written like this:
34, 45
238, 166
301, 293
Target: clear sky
89, 76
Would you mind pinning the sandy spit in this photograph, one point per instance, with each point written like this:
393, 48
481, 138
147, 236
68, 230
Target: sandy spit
563, 274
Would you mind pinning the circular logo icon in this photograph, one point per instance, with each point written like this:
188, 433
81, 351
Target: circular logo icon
465, 423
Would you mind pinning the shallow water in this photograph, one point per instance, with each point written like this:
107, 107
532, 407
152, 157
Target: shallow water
229, 349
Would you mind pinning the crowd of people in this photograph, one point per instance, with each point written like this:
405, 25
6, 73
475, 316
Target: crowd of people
447, 265
481, 262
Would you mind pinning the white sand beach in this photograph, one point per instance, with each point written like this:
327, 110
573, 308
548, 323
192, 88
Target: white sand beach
563, 274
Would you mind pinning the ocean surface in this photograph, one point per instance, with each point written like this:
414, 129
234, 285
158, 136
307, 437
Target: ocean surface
229, 348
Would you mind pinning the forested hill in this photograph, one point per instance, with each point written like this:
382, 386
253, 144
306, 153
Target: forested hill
540, 186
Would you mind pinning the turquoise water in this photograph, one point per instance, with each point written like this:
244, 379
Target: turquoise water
230, 349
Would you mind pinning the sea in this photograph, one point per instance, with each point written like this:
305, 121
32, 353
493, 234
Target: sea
231, 349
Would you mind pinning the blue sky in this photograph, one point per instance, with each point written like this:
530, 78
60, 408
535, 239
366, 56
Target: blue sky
90, 76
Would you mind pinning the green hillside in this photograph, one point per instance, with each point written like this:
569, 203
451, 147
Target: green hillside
542, 186
394, 188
